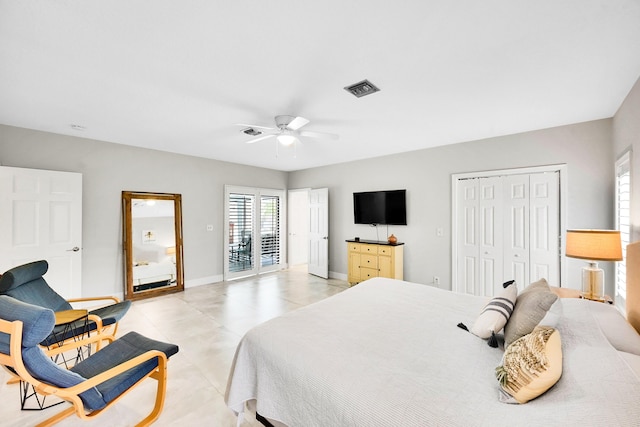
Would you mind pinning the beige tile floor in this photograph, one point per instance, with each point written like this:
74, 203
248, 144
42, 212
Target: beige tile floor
207, 323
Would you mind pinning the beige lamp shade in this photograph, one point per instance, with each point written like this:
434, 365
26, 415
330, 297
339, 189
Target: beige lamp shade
596, 245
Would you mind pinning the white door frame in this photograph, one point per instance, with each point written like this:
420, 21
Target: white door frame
561, 168
299, 231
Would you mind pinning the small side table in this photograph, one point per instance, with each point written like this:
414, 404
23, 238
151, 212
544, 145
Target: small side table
67, 319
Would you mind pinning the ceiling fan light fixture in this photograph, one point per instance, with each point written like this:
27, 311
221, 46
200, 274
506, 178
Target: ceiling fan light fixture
286, 139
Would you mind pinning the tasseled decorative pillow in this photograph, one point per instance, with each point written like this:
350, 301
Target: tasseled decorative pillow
531, 365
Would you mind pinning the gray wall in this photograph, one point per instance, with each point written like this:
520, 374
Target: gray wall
108, 169
626, 135
426, 174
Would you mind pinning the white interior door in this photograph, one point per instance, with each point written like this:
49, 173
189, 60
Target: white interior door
41, 218
319, 232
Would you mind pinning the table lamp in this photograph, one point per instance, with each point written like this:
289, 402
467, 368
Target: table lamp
593, 246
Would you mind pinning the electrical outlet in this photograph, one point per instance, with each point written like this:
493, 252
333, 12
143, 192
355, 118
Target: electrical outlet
436, 280
209, 227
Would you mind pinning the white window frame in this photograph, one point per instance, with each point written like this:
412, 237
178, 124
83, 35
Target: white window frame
623, 223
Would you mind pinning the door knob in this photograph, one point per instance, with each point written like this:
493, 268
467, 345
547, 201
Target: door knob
74, 249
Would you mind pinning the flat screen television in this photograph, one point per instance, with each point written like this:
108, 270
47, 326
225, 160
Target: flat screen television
380, 207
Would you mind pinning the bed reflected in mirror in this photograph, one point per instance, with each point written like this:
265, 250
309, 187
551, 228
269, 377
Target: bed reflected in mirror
152, 242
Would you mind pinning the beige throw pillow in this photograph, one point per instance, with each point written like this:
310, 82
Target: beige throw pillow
531, 365
531, 306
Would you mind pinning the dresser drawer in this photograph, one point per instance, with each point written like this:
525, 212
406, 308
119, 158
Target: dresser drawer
368, 261
368, 273
369, 249
354, 247
385, 250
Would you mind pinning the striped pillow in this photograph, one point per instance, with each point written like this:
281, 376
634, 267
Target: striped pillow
496, 313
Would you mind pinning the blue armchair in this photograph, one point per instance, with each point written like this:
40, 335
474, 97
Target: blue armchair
25, 283
92, 385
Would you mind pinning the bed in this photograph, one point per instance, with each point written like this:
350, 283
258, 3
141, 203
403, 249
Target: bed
389, 353
152, 267
150, 273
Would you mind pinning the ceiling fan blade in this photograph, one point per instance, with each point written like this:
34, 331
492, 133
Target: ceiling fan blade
253, 126
260, 138
297, 123
324, 135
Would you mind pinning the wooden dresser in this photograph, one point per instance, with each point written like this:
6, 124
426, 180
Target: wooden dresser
370, 258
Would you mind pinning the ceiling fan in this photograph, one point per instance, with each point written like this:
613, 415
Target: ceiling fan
287, 131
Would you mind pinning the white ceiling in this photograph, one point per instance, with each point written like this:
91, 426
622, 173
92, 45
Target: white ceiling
177, 75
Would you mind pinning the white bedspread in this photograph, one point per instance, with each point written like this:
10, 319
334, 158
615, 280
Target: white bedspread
389, 353
153, 272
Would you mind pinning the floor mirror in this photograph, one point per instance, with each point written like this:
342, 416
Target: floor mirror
152, 243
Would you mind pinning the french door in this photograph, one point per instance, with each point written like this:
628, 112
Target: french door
254, 230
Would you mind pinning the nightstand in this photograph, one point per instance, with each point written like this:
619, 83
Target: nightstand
574, 293
605, 298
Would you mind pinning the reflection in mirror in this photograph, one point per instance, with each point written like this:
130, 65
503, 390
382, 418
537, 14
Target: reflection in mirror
152, 244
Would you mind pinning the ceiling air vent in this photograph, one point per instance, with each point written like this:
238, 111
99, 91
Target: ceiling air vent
362, 88
251, 131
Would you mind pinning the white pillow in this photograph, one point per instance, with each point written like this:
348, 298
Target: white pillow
615, 327
496, 313
553, 315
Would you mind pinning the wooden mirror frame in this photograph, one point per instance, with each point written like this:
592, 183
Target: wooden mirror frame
127, 244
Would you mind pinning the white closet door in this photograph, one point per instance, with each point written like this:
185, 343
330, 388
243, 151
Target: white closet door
516, 229
507, 226
490, 275
467, 244
544, 227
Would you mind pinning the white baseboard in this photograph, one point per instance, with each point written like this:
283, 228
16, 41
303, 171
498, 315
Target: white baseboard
336, 275
203, 281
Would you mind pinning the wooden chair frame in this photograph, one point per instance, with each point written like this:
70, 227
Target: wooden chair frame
71, 394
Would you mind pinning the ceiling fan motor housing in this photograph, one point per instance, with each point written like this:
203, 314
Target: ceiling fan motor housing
283, 121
